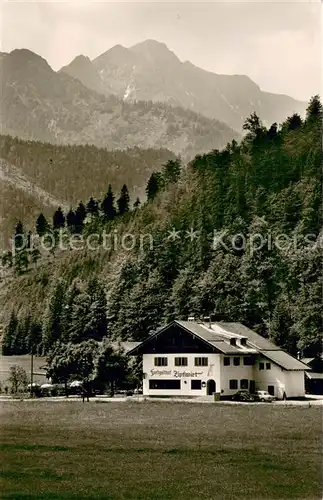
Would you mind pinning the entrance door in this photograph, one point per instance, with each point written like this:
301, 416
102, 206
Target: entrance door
271, 390
252, 386
210, 387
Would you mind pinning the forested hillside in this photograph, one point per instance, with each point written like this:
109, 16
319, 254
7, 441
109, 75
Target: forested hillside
236, 234
39, 177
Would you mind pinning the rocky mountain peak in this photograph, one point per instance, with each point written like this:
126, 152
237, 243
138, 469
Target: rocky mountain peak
154, 50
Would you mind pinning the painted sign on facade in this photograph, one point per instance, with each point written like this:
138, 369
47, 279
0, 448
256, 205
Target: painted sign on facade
175, 373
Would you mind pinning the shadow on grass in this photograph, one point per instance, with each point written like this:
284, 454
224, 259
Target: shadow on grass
32, 447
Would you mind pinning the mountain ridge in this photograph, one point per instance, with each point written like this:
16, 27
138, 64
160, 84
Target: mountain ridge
41, 104
150, 71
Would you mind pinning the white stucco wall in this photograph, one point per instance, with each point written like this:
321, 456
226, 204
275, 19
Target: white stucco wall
290, 382
233, 372
294, 384
183, 373
275, 376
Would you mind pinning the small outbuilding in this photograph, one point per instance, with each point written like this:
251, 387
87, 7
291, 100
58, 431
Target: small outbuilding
314, 377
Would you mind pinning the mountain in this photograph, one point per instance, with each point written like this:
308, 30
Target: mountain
41, 104
82, 68
149, 71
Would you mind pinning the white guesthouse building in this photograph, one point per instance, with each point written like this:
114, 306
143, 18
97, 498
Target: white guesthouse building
189, 358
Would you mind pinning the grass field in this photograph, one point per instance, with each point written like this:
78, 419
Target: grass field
24, 361
159, 451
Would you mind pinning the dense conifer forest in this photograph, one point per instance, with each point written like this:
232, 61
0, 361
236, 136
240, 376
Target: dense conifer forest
235, 234
39, 176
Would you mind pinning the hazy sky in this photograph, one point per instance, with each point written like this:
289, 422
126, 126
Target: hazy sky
277, 44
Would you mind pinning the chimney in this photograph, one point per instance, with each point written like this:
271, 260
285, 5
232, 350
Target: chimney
207, 319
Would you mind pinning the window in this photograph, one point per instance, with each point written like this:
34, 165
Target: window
164, 384
268, 366
236, 361
226, 361
243, 341
247, 361
160, 361
233, 384
201, 362
244, 383
180, 361
196, 384
261, 366
233, 342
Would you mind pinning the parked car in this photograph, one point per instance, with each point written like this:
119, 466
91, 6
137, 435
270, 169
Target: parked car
263, 396
243, 395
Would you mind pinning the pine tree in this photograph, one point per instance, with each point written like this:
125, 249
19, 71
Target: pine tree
253, 125
92, 207
71, 221
294, 122
34, 338
18, 343
20, 249
42, 226
124, 201
97, 325
314, 111
80, 215
136, 204
58, 219
9, 334
66, 316
172, 171
146, 305
51, 324
107, 205
154, 185
79, 318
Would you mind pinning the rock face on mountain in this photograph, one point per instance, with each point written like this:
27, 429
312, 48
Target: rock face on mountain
149, 71
41, 104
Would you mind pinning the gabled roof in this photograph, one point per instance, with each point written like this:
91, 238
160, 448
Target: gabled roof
307, 361
215, 335
253, 338
283, 359
218, 335
315, 376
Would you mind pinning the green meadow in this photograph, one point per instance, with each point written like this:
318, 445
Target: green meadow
159, 451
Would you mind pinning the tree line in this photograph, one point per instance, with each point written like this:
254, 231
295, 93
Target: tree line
73, 333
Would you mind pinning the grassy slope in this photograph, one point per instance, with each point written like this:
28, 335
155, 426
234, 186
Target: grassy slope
163, 451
